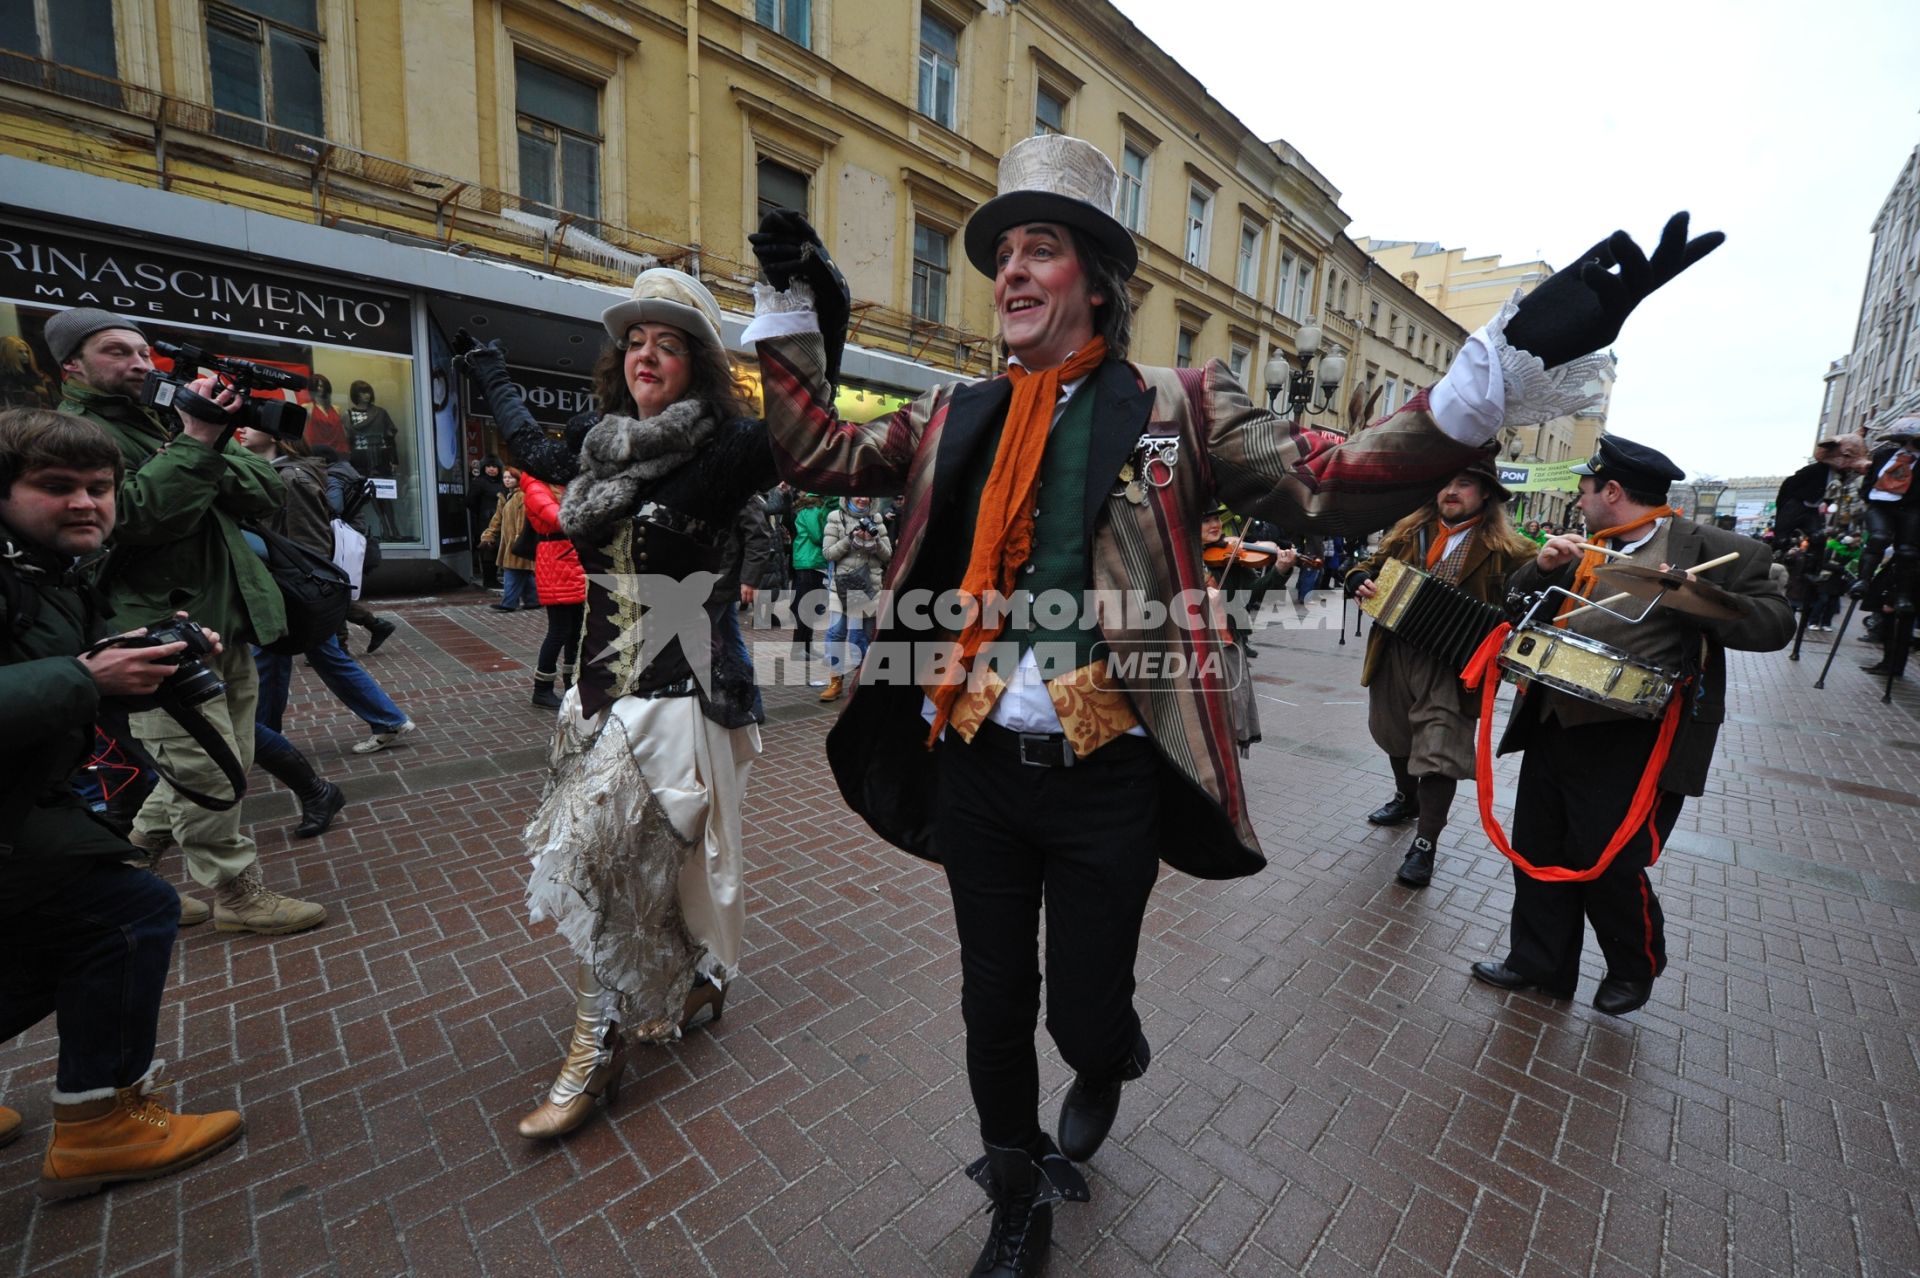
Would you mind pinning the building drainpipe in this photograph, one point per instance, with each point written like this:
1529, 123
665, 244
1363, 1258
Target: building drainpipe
1007, 135
693, 135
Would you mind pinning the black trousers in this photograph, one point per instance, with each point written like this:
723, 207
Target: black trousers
1082, 841
1896, 525
1576, 785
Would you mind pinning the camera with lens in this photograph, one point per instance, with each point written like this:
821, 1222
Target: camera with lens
274, 416
192, 682
867, 526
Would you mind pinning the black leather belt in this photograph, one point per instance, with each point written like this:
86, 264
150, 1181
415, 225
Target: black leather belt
1035, 749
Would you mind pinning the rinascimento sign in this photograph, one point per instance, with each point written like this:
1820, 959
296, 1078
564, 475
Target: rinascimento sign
45, 268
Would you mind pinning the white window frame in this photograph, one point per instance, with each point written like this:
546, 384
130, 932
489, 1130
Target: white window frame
1247, 267
1134, 191
1183, 343
945, 271
522, 119
1199, 230
1303, 290
1282, 297
1239, 360
928, 62
1044, 89
782, 24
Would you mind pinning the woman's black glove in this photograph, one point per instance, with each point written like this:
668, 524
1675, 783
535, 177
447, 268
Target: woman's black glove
486, 364
1580, 309
482, 361
789, 249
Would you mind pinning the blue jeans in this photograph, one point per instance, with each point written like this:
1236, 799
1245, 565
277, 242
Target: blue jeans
352, 686
1308, 583
848, 636
520, 591
96, 956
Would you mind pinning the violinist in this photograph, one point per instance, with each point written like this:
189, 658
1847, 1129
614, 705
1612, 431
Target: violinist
1240, 567
1417, 710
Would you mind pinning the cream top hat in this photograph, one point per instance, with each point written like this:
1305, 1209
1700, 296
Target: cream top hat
663, 295
1053, 178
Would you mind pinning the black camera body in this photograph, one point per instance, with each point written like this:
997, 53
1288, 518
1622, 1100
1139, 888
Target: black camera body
274, 416
192, 682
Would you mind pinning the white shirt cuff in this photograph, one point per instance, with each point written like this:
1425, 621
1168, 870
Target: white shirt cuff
1469, 404
781, 313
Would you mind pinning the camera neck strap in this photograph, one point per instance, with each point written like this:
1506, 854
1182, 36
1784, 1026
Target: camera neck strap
112, 720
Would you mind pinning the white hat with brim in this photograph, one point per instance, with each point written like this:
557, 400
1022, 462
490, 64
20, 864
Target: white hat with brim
663, 295
1053, 178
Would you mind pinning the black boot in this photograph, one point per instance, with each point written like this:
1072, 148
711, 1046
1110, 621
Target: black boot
1087, 1113
378, 633
1416, 871
320, 799
1023, 1192
543, 694
1395, 811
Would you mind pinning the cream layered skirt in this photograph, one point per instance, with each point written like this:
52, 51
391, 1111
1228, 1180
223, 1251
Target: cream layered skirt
636, 850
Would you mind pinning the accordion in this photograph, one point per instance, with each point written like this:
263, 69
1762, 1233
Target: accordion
1440, 620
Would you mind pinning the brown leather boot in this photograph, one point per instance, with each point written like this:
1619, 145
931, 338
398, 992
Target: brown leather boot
832, 691
9, 1125
127, 1135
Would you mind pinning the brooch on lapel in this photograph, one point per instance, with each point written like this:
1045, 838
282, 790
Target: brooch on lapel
1150, 466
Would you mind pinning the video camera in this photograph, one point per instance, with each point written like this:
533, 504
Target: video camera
274, 416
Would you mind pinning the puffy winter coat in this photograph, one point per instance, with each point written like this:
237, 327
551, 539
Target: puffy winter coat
556, 566
809, 526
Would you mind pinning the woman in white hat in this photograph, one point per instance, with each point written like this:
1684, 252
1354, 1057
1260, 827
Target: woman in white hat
636, 845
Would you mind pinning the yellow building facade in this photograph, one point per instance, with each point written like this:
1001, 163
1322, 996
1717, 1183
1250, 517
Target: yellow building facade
505, 165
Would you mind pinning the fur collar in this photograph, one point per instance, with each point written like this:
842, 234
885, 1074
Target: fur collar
621, 453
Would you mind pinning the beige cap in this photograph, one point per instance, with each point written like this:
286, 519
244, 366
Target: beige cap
663, 295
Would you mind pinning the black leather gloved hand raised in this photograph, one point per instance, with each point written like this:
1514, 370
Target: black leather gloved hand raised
1580, 309
479, 360
789, 249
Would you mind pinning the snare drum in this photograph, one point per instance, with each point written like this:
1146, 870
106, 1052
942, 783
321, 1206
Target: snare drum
1588, 669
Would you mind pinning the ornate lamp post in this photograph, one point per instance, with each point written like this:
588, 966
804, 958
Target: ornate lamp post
1299, 382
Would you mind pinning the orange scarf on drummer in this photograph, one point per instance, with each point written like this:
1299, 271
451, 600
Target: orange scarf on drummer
1003, 530
1591, 560
1443, 533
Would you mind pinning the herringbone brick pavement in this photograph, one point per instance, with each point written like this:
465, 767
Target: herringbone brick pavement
1330, 1093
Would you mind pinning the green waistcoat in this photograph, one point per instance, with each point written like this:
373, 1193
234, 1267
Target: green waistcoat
1062, 560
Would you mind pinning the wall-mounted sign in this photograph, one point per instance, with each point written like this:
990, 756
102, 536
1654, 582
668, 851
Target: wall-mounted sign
551, 397
144, 282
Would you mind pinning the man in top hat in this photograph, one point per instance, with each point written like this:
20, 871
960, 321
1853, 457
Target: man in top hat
1052, 763
1417, 709
1892, 502
1584, 761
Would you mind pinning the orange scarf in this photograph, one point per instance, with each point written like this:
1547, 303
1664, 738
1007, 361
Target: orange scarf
1003, 530
1591, 560
1443, 533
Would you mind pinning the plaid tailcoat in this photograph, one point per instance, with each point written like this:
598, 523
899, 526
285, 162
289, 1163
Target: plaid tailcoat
1230, 451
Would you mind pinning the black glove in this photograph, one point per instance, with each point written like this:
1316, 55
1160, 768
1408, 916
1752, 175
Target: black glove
484, 362
1579, 310
789, 249
1356, 579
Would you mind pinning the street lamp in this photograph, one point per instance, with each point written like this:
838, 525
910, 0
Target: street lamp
1300, 385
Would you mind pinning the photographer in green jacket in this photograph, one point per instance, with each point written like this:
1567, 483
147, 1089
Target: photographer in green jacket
179, 546
82, 934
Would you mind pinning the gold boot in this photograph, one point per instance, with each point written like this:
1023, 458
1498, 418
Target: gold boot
596, 1060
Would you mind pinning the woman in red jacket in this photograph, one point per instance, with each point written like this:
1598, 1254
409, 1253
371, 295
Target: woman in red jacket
563, 591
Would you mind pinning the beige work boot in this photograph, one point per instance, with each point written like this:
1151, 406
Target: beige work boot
242, 904
152, 848
9, 1125
128, 1134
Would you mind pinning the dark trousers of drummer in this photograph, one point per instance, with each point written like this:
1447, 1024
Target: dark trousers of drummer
1083, 842
1576, 785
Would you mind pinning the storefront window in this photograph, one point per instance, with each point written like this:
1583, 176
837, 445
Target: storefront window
353, 346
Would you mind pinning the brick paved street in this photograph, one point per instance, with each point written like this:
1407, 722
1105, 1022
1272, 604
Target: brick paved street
1330, 1093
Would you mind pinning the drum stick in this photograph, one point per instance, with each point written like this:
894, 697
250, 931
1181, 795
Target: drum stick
1616, 554
1727, 558
1609, 601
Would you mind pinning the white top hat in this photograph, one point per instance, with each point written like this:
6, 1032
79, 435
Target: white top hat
1053, 178
663, 295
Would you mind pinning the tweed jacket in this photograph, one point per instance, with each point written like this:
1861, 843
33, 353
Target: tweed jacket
1229, 450
1483, 575
1767, 627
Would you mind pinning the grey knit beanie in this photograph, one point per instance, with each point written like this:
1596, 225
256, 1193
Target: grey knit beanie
67, 330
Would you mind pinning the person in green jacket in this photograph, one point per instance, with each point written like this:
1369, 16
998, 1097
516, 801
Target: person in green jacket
809, 575
82, 933
186, 491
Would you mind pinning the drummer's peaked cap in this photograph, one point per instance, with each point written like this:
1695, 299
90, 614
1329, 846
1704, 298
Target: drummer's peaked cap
1635, 467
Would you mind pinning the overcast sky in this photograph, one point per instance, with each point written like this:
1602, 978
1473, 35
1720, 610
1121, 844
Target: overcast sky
1533, 130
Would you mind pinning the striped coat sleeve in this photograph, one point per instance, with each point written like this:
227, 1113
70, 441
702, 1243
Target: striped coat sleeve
814, 449
1262, 464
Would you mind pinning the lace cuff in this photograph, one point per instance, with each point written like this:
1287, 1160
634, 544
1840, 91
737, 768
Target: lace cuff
1492, 384
785, 312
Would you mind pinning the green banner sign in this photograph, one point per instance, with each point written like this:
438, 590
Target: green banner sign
1539, 477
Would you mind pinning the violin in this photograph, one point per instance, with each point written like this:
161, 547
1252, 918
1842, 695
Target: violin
1231, 551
